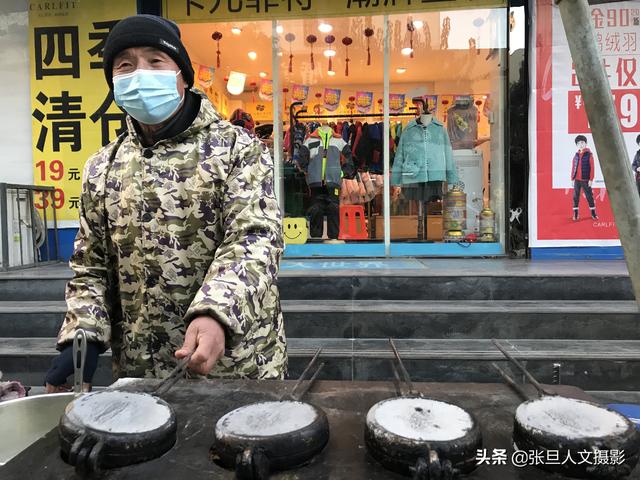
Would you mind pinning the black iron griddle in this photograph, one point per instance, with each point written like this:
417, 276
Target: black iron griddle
199, 404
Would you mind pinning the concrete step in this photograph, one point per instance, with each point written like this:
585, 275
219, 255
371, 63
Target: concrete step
376, 284
588, 364
577, 319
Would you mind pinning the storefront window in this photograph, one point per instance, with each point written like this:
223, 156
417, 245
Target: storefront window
332, 75
449, 66
322, 112
232, 62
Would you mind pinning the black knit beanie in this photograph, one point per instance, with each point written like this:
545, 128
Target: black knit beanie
147, 31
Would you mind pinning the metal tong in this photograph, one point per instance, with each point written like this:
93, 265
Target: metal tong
405, 375
175, 375
79, 356
511, 382
296, 396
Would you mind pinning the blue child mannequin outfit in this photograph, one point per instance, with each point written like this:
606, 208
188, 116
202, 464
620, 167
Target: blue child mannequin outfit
423, 160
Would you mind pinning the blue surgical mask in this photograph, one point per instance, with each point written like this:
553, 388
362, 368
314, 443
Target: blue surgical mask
149, 96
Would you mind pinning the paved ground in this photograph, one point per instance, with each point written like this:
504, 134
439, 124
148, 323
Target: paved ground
404, 267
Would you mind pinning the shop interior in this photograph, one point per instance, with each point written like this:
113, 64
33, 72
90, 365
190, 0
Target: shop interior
446, 143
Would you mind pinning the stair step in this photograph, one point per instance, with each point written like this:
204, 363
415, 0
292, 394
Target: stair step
588, 364
417, 349
392, 306
401, 318
429, 280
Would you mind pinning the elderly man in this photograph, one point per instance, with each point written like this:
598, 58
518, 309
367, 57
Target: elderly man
180, 232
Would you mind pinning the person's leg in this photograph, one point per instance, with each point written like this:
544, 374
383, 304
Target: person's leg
588, 193
638, 186
316, 213
333, 214
576, 198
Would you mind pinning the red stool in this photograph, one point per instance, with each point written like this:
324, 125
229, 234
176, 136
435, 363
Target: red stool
353, 225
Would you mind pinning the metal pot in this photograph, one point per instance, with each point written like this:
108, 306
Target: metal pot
25, 420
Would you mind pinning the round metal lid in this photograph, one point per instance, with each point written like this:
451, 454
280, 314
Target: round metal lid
420, 419
119, 412
266, 419
111, 429
570, 418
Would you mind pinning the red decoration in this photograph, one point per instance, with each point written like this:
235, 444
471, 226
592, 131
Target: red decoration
285, 90
368, 32
445, 102
330, 39
352, 99
478, 102
318, 95
226, 79
312, 39
290, 37
254, 87
346, 41
217, 36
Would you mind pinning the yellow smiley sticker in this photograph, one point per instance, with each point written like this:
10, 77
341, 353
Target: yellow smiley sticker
295, 230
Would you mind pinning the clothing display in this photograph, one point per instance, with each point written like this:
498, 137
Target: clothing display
424, 154
325, 201
462, 124
424, 191
326, 158
323, 156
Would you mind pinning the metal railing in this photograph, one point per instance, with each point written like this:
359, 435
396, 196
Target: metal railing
19, 218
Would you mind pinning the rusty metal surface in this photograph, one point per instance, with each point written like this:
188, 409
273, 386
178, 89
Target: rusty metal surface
199, 404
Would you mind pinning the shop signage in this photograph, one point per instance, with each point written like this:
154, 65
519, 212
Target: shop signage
73, 113
558, 119
184, 11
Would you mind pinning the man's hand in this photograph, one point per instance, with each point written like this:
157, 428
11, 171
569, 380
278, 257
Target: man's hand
590, 182
205, 338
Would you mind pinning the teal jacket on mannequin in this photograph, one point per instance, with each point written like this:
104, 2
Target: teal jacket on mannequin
424, 154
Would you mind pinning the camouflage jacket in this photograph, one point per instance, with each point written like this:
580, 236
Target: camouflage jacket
187, 227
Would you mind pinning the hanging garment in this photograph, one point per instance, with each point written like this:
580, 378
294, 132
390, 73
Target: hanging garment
364, 149
299, 133
424, 154
326, 157
462, 125
424, 191
324, 201
345, 131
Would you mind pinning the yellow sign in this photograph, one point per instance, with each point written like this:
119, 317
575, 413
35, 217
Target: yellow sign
295, 231
186, 11
73, 113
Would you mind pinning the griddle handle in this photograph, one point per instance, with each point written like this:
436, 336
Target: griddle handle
252, 464
522, 368
79, 350
510, 381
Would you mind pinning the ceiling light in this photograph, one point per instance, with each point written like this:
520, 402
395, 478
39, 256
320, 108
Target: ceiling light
280, 29
252, 55
263, 75
236, 30
325, 27
401, 70
331, 73
406, 51
418, 24
235, 84
329, 53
